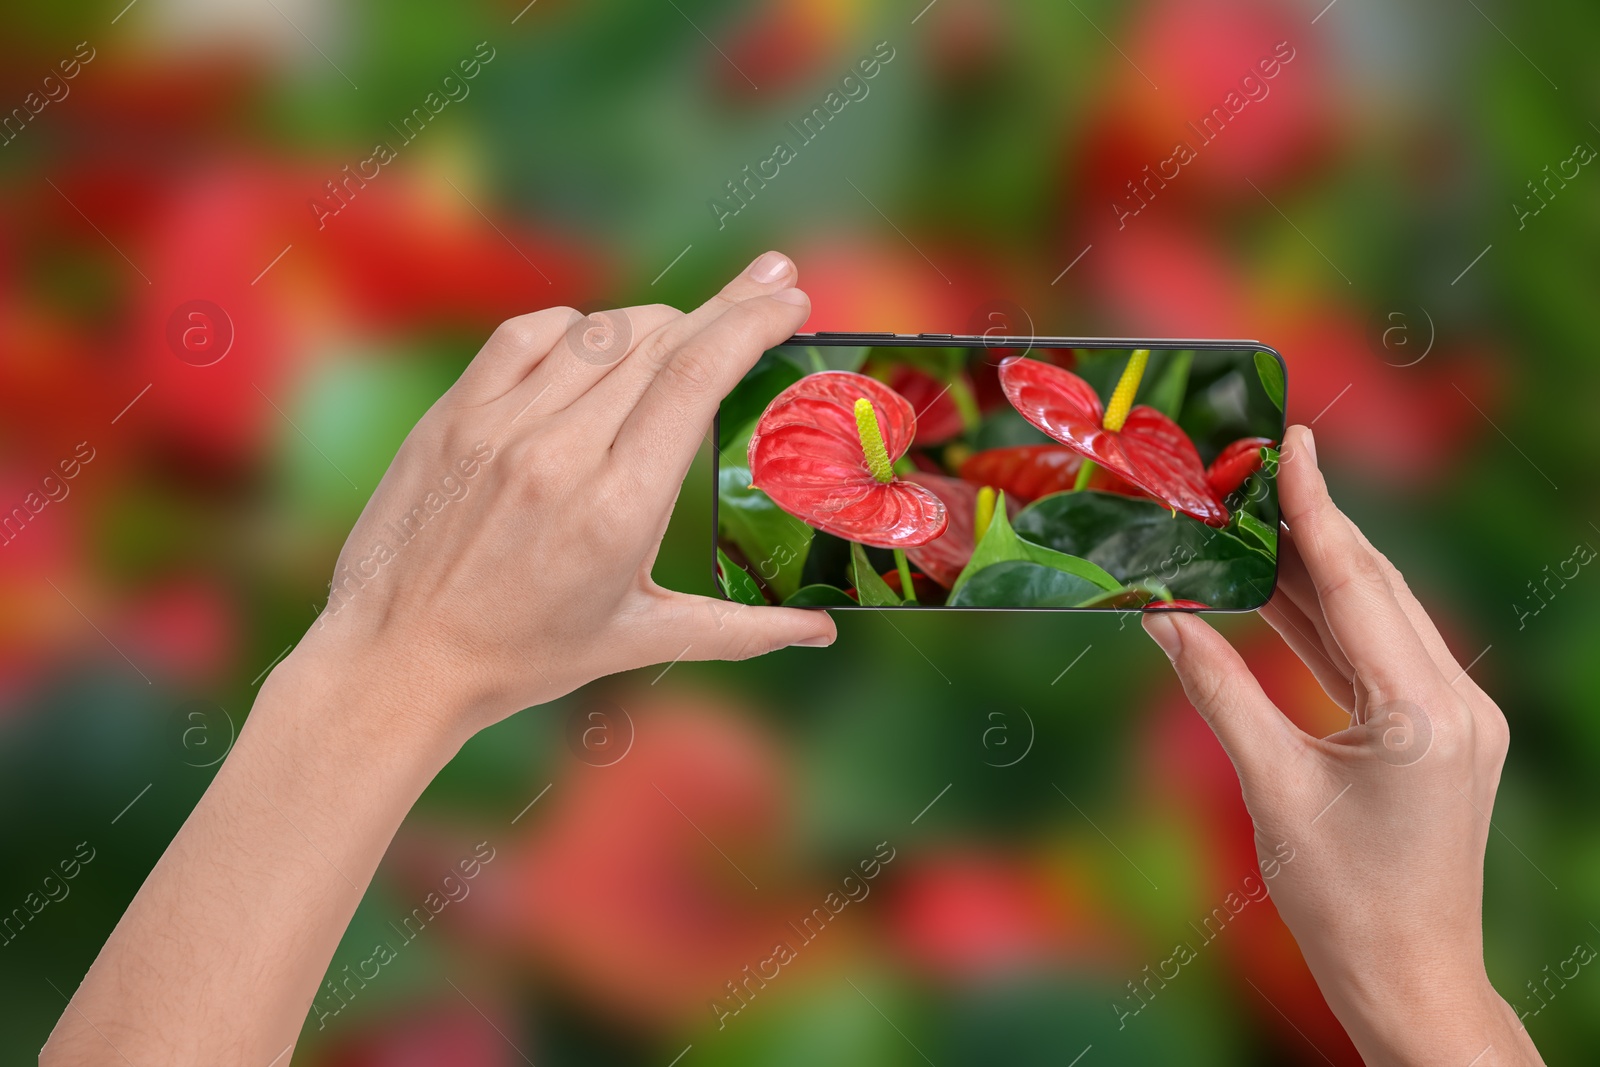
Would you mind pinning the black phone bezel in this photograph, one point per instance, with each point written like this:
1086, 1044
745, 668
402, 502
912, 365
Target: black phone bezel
826, 339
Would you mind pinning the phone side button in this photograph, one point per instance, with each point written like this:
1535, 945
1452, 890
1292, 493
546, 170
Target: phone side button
936, 336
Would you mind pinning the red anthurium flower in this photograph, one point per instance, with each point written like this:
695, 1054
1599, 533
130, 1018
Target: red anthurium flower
1138, 444
1028, 472
944, 558
923, 588
985, 373
1235, 463
824, 451
938, 415
1176, 605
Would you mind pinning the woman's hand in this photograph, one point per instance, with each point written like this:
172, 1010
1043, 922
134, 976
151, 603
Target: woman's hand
505, 557
503, 560
1389, 818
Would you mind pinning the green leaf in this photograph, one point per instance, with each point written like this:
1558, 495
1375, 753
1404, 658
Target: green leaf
820, 596
1271, 372
870, 587
1016, 583
774, 541
813, 358
1000, 543
769, 377
1140, 541
942, 363
1004, 428
1258, 530
1269, 462
1101, 367
1130, 597
966, 403
1258, 497
1170, 384
737, 583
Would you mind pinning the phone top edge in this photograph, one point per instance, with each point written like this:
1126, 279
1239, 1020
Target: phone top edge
925, 608
945, 340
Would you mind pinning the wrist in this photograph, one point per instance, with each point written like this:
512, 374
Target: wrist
1448, 1014
332, 713
396, 703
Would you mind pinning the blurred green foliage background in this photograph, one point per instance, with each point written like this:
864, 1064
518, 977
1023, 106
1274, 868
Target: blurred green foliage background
1403, 207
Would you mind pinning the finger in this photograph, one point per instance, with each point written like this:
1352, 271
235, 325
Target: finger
1252, 730
648, 566
1360, 607
514, 349
771, 273
675, 411
767, 274
1298, 632
1297, 582
1421, 622
589, 347
706, 628
1294, 582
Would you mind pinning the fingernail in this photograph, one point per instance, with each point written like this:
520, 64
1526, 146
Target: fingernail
1162, 631
816, 642
1311, 445
790, 296
768, 267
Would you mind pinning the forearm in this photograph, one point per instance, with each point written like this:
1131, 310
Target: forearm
221, 952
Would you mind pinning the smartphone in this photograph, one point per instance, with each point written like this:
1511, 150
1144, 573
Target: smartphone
883, 470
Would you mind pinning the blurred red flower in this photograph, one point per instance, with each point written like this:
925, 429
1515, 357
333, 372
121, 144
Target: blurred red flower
1397, 425
100, 258
615, 887
969, 914
186, 627
1400, 425
1242, 86
1027, 472
1173, 279
404, 255
856, 284
414, 253
938, 415
943, 558
449, 1033
781, 45
968, 39
1237, 461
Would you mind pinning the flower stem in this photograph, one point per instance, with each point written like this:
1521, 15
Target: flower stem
907, 592
1085, 472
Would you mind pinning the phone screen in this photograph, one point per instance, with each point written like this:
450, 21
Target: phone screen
921, 476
